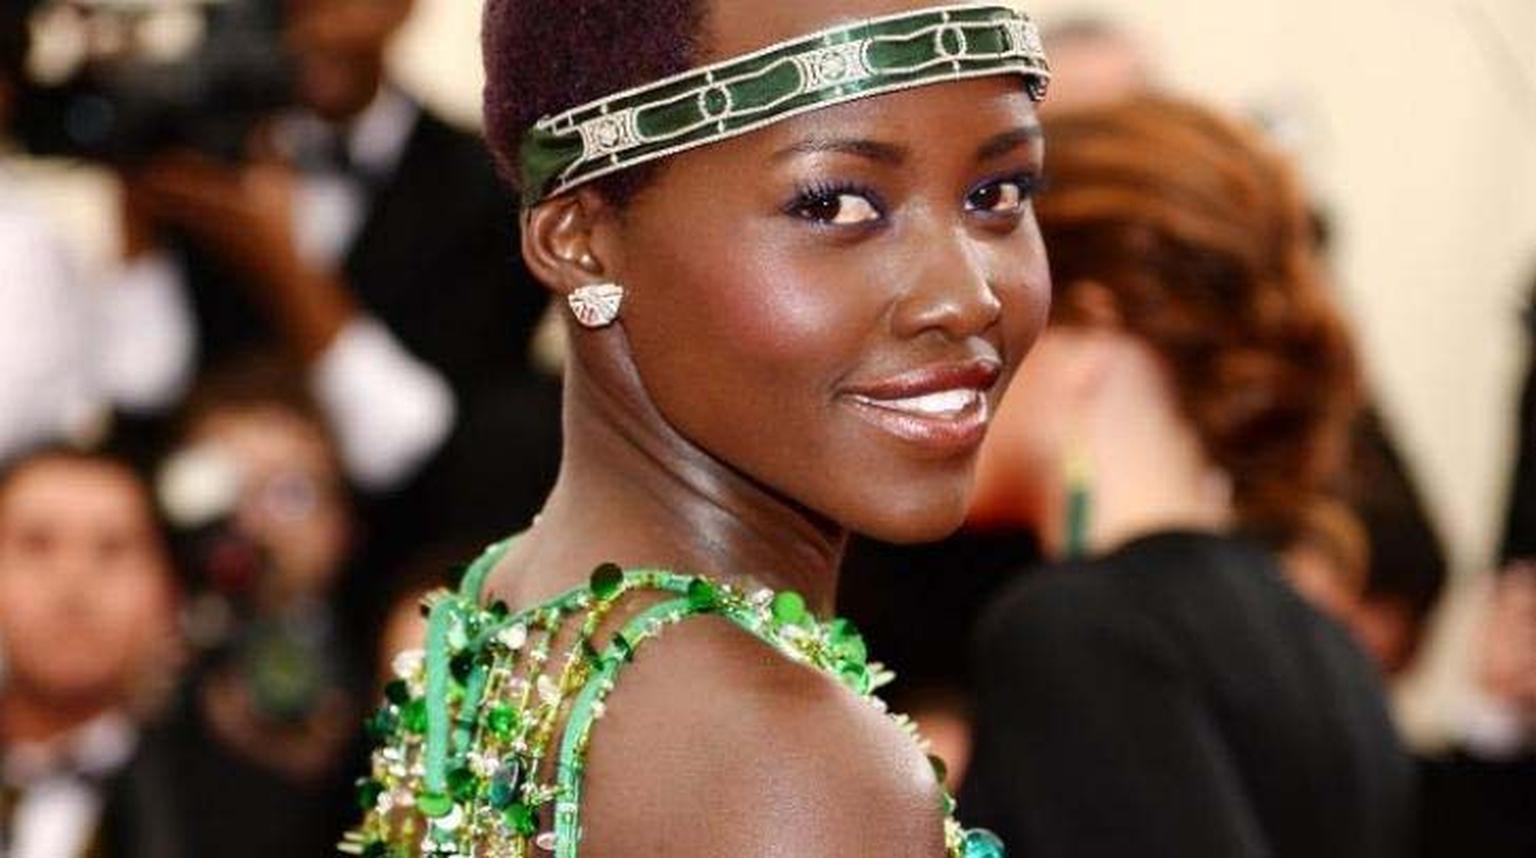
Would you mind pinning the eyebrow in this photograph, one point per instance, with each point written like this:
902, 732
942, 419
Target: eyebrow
885, 153
888, 153
1008, 141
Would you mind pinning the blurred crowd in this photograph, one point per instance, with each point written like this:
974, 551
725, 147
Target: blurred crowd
232, 464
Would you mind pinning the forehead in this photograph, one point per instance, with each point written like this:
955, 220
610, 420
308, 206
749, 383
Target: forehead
74, 491
266, 436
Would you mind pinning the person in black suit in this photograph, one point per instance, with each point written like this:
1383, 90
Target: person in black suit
87, 607
1163, 688
1520, 521
374, 241
90, 766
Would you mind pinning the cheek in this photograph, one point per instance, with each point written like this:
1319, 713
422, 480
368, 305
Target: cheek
1025, 291
761, 335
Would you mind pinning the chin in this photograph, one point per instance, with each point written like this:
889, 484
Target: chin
913, 514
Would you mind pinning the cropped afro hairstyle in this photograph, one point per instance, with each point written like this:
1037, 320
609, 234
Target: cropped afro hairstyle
1200, 231
546, 56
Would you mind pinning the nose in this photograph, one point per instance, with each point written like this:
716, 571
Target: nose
951, 290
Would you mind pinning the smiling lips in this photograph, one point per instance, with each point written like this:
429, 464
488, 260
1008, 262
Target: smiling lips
942, 408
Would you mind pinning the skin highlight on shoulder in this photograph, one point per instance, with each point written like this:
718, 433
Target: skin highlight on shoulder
713, 744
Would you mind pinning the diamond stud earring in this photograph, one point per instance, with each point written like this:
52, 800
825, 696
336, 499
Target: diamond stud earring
596, 306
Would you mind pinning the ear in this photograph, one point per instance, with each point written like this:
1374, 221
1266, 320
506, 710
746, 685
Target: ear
566, 241
1090, 304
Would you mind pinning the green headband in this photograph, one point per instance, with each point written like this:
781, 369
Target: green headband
739, 95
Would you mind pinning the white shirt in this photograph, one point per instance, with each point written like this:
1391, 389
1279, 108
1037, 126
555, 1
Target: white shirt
70, 351
60, 810
389, 410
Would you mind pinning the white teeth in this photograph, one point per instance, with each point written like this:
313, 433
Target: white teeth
941, 404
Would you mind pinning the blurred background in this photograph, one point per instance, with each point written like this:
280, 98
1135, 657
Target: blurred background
1410, 123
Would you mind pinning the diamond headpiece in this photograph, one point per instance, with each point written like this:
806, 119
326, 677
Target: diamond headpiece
739, 95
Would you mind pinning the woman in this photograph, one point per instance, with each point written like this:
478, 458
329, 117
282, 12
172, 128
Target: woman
1163, 690
793, 306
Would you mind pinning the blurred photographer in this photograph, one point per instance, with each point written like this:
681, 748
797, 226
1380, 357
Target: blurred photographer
352, 226
258, 244
374, 240
263, 529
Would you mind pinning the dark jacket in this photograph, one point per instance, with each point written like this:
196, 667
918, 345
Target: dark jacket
1177, 698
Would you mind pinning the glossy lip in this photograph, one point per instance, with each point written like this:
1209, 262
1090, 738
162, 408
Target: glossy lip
958, 432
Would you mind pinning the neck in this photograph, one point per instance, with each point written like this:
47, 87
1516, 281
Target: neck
1157, 478
633, 491
27, 720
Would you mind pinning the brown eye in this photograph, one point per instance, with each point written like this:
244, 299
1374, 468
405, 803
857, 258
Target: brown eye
836, 208
1004, 197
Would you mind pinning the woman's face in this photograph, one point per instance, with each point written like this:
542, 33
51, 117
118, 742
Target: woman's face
833, 305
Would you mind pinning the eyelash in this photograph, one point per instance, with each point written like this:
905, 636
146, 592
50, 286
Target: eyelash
813, 194
820, 193
1028, 184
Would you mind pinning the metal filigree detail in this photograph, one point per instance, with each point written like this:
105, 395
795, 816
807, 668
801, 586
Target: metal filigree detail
834, 66
596, 306
612, 132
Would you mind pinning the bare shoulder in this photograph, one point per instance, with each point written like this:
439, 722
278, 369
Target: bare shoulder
715, 744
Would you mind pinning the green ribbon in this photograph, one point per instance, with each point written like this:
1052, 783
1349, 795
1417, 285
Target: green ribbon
742, 94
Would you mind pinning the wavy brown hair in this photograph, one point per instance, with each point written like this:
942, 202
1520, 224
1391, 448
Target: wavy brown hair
1199, 230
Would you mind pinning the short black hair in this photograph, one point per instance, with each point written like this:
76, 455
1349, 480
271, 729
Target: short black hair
547, 56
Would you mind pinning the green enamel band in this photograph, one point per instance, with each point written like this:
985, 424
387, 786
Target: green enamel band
436, 778
739, 95
578, 726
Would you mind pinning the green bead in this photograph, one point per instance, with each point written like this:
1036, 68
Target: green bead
368, 792
940, 768
462, 784
461, 666
847, 643
521, 819
606, 581
981, 843
505, 783
789, 608
702, 595
414, 716
623, 647
502, 721
397, 693
381, 726
434, 805
856, 677
590, 653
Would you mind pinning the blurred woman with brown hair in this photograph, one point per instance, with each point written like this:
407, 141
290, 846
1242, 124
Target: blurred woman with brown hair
1163, 689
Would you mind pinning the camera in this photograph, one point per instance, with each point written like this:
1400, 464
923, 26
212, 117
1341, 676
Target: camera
283, 655
118, 81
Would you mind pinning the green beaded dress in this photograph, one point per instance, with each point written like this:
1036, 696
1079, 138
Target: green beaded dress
469, 725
